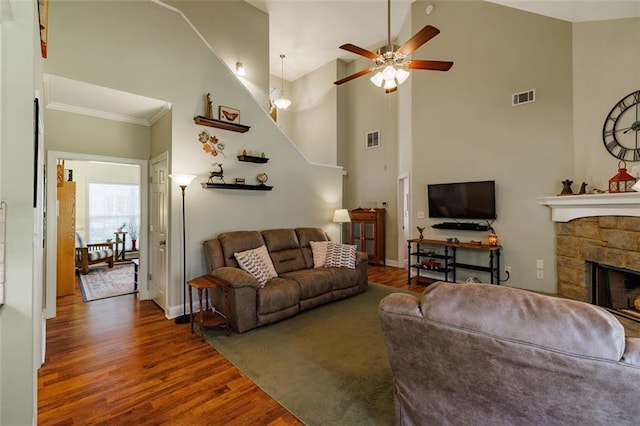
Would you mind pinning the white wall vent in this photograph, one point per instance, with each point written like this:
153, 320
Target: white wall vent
373, 139
523, 97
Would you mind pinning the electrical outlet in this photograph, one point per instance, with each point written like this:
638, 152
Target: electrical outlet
539, 263
507, 270
541, 274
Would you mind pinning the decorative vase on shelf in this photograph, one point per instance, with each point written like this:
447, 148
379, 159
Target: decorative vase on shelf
133, 244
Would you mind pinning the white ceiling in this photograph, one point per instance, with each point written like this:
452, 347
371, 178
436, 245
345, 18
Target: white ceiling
309, 32
74, 96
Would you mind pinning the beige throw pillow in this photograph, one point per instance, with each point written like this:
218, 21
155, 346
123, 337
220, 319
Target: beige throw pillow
266, 259
319, 250
341, 255
258, 263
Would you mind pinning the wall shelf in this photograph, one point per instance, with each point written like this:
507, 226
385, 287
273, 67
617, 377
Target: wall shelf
212, 122
252, 159
237, 186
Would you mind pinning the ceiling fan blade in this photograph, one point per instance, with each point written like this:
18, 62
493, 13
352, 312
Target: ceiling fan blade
428, 65
390, 90
419, 38
359, 51
352, 76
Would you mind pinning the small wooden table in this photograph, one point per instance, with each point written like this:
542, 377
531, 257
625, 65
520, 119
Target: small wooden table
215, 318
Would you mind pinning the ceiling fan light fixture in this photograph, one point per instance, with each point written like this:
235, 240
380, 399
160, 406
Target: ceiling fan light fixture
377, 79
389, 73
282, 102
401, 75
390, 65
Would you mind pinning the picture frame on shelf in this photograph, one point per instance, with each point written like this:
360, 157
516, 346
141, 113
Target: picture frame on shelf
229, 115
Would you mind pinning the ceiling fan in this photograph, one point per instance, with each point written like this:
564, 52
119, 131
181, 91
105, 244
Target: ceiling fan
390, 59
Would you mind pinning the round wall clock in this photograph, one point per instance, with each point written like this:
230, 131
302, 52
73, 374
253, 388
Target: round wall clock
621, 130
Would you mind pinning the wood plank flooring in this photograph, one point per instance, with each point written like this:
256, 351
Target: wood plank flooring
119, 361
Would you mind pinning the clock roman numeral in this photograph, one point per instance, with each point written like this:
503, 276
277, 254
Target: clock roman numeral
608, 132
611, 145
636, 154
622, 105
636, 97
622, 153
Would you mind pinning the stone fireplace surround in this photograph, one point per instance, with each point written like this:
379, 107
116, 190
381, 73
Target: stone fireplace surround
600, 228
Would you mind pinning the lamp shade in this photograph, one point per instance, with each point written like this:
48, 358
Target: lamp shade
341, 216
182, 180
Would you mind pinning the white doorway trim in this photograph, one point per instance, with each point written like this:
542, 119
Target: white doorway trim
404, 219
51, 223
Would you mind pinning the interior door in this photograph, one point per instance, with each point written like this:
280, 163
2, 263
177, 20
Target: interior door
66, 238
158, 232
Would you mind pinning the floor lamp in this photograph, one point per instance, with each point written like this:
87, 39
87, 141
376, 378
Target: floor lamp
183, 181
341, 216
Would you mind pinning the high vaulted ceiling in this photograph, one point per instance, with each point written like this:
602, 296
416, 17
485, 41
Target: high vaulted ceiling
309, 32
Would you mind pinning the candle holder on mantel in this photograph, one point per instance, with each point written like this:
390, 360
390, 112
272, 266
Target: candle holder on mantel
622, 181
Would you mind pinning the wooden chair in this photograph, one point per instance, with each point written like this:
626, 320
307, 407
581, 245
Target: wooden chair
92, 254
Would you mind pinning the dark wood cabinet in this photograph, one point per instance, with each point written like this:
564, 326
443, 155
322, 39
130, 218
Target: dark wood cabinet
367, 233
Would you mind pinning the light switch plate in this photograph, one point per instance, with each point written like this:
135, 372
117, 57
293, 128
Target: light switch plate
420, 215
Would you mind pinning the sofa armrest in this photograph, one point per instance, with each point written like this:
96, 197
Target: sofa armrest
401, 304
236, 277
631, 353
361, 257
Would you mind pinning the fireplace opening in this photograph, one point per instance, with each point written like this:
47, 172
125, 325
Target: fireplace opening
616, 289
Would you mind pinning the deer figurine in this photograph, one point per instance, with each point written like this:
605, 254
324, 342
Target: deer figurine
217, 174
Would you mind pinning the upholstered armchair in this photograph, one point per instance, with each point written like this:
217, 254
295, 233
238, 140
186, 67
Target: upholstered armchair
92, 254
480, 354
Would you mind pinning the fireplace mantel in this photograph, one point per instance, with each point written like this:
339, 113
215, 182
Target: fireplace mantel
568, 207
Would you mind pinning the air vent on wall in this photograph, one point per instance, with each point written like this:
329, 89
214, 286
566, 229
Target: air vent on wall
523, 97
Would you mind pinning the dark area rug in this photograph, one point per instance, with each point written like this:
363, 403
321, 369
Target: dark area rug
104, 282
328, 366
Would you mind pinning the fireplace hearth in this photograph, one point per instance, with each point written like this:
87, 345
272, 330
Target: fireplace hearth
613, 288
601, 229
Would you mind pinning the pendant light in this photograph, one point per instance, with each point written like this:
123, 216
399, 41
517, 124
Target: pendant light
282, 102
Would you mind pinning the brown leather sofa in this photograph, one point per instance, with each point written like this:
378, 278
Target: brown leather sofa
479, 354
298, 287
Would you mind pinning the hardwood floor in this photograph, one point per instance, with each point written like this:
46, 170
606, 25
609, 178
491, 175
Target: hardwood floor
120, 361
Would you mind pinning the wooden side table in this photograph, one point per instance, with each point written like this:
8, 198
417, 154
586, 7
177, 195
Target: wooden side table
209, 319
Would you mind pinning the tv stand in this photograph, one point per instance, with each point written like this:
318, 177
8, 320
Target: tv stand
462, 226
444, 254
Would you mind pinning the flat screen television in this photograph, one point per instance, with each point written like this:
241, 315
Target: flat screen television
462, 200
